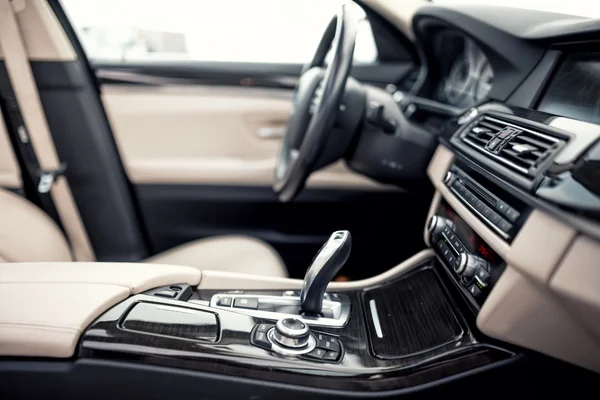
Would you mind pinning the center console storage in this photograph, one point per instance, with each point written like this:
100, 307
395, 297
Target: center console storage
411, 315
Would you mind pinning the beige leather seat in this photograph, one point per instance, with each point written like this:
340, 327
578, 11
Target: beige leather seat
27, 234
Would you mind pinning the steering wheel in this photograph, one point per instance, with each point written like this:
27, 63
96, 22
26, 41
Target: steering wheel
316, 105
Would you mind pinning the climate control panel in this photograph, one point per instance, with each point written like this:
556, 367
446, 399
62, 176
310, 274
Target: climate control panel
470, 261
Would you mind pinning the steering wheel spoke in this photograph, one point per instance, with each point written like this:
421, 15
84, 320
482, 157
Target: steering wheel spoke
316, 105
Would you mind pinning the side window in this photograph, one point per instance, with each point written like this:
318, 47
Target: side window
266, 31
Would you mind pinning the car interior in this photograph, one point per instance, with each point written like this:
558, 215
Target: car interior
411, 210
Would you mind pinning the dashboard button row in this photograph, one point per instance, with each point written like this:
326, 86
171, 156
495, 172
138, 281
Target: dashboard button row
485, 210
507, 211
446, 253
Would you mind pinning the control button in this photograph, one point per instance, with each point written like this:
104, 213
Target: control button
441, 245
446, 253
472, 199
512, 214
495, 218
504, 225
293, 324
246, 302
264, 327
451, 260
260, 339
447, 230
486, 211
493, 143
316, 354
479, 205
501, 207
225, 302
328, 343
456, 262
331, 356
166, 293
483, 276
474, 290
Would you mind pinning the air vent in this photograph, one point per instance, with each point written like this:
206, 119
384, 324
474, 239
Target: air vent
517, 147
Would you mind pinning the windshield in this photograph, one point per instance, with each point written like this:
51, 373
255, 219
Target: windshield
583, 8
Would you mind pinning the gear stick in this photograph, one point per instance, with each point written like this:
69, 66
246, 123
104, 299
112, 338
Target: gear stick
328, 261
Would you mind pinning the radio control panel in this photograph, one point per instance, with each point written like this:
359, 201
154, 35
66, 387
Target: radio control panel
504, 216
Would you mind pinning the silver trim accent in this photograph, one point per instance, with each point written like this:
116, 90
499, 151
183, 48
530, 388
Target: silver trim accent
493, 156
291, 332
375, 317
177, 309
487, 221
498, 121
268, 132
462, 264
448, 176
468, 116
432, 223
340, 309
310, 346
482, 283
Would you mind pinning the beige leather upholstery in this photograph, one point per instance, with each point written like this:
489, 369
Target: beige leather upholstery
27, 234
44, 38
226, 253
66, 297
212, 136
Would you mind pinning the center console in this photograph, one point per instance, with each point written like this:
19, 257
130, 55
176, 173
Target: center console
393, 332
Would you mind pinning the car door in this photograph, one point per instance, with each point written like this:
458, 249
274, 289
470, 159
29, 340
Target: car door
197, 95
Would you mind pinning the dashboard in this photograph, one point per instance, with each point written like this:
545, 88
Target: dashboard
516, 216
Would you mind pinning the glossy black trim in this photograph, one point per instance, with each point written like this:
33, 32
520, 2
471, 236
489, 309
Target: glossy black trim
511, 58
233, 354
244, 74
530, 91
96, 176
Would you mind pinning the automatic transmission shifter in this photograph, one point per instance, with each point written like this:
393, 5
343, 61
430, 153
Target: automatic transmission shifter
325, 265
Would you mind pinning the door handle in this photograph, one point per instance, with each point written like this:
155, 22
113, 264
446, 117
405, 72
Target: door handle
271, 132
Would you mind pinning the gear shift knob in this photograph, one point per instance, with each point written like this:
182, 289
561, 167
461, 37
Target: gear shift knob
328, 261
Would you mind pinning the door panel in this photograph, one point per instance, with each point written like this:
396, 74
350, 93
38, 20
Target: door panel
206, 135
200, 168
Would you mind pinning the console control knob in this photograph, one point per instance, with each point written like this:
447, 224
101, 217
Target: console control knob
469, 264
436, 226
291, 333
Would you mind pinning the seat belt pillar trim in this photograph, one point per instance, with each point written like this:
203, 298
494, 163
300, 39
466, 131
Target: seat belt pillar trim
35, 130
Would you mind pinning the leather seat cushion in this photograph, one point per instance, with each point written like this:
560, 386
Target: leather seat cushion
27, 234
229, 253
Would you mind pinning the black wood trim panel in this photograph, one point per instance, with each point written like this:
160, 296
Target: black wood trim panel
233, 355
